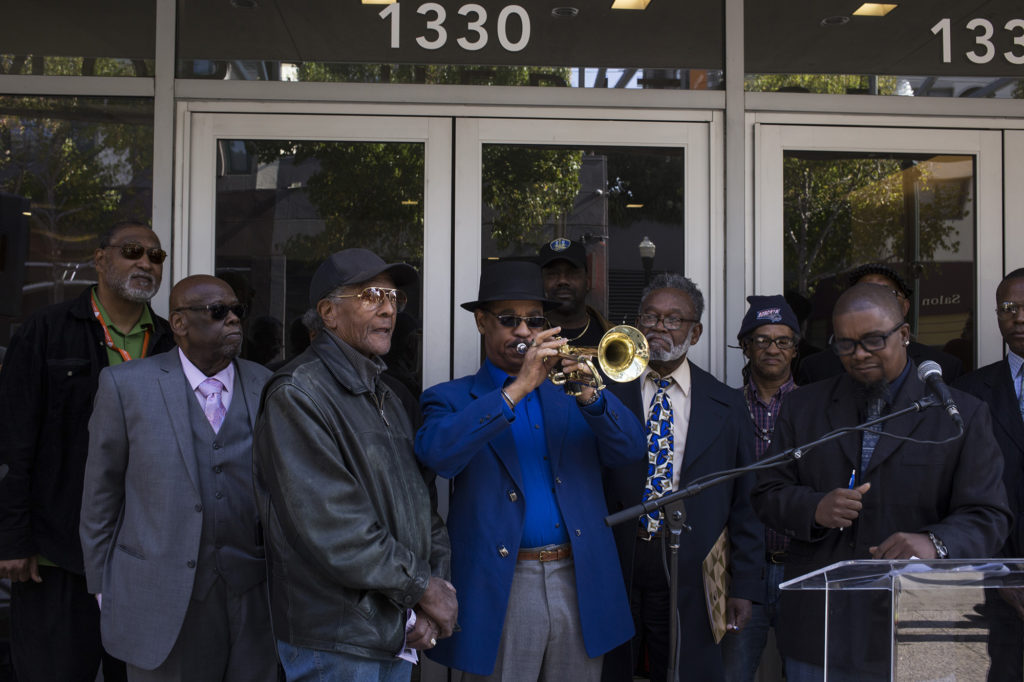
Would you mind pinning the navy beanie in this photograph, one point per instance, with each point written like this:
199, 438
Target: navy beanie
768, 310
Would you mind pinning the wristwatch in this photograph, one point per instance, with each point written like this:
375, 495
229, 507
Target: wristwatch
940, 547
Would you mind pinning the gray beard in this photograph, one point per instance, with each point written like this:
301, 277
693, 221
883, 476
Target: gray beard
674, 353
129, 291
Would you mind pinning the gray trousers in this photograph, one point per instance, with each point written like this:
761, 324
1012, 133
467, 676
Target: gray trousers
225, 638
541, 639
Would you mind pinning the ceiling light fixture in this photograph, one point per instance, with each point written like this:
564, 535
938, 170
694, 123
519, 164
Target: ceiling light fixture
379, 2
837, 20
873, 9
564, 11
634, 205
630, 4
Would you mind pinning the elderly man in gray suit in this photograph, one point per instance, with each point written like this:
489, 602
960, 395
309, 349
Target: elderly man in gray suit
169, 523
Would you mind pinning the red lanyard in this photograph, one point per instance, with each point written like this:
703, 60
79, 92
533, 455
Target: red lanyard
106, 333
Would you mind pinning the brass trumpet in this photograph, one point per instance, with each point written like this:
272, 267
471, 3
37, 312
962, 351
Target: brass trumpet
622, 355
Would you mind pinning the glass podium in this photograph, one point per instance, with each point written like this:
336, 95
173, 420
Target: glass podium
944, 620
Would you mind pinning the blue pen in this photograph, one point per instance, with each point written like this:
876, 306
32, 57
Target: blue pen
853, 479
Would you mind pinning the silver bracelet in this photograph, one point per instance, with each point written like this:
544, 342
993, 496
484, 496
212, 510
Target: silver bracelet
511, 405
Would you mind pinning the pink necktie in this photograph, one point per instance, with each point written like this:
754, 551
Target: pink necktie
213, 407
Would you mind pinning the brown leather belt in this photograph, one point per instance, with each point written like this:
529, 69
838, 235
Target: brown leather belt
546, 553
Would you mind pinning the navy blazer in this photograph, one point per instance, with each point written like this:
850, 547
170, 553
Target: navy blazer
719, 437
466, 437
993, 384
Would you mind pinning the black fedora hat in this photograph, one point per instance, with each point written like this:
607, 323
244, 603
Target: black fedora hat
510, 280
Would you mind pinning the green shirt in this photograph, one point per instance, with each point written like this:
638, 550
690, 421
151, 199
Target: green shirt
134, 342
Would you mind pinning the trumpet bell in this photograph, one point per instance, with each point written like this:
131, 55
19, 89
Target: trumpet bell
623, 353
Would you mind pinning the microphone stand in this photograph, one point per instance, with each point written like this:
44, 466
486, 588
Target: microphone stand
675, 512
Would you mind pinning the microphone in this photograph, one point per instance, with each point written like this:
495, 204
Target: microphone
930, 373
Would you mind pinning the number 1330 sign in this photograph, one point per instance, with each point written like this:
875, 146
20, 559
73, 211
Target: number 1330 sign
473, 29
985, 51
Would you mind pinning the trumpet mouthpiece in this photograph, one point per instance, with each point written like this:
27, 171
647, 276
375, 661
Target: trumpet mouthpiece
521, 347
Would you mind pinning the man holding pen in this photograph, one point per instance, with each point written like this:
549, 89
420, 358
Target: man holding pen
905, 498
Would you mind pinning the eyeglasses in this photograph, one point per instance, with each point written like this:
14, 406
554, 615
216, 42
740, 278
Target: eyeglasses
1008, 309
373, 298
219, 311
134, 251
871, 343
671, 322
513, 321
762, 342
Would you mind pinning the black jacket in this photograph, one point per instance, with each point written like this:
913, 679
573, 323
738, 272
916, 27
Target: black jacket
351, 524
47, 385
993, 385
954, 489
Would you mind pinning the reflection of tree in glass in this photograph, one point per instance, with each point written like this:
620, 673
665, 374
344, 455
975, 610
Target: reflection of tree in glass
80, 164
840, 212
369, 195
650, 177
525, 186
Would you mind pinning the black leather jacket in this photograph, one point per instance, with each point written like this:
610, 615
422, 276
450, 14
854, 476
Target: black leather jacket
350, 519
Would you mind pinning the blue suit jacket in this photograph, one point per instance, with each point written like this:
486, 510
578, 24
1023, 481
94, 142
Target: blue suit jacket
466, 437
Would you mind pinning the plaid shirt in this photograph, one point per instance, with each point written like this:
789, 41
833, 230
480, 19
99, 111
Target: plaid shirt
763, 416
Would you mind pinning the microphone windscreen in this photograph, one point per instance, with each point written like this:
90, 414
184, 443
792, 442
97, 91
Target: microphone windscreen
927, 369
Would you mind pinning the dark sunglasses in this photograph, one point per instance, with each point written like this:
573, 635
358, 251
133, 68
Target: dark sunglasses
513, 321
373, 297
219, 311
134, 251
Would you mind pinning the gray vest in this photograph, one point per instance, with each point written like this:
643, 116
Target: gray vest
227, 547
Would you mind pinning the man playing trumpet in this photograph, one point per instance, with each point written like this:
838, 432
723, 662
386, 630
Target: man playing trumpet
532, 560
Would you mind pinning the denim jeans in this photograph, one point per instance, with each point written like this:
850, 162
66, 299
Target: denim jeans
313, 665
798, 671
741, 651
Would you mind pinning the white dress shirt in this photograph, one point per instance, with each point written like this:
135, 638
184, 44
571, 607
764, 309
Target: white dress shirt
679, 394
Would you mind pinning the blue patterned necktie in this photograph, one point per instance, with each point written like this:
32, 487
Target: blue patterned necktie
867, 447
660, 446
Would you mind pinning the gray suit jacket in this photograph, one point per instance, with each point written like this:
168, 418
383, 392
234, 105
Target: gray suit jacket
142, 515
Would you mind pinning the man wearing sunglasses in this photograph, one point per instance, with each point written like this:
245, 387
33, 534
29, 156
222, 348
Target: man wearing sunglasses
1001, 386
357, 554
769, 336
540, 592
46, 396
169, 523
878, 494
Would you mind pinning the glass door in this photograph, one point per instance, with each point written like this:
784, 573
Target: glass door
924, 202
610, 185
270, 196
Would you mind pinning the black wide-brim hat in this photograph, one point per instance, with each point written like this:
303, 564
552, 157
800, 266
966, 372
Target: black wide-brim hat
353, 266
510, 280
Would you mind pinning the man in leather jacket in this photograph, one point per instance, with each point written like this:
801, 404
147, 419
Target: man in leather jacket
358, 556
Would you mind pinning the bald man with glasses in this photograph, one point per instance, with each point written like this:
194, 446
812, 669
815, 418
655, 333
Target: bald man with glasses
935, 500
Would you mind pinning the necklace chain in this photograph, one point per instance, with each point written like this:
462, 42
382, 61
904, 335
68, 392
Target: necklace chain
578, 336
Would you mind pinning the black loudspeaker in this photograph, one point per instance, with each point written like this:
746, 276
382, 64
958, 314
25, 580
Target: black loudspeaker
14, 213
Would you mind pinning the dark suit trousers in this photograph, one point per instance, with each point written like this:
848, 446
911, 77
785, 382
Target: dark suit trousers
225, 638
649, 601
55, 631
